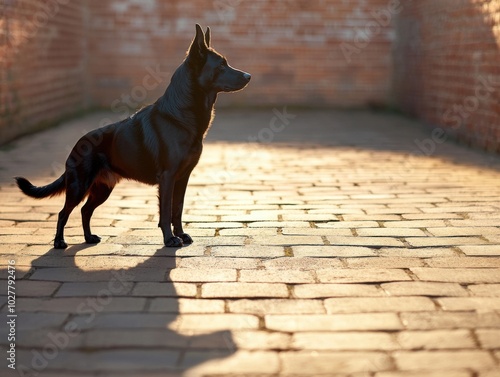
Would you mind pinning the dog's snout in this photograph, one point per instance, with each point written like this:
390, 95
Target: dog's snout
247, 76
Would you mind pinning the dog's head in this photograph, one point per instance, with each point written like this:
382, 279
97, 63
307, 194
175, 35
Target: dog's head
213, 72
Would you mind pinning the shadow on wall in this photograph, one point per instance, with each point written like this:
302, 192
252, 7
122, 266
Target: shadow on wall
446, 68
125, 321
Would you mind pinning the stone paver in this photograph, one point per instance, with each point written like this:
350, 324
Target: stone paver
339, 249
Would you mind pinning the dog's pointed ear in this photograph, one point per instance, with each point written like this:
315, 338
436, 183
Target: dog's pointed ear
198, 48
207, 37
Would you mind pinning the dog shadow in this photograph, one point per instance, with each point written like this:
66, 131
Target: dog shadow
133, 321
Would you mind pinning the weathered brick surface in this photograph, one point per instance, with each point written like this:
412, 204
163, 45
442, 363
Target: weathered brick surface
428, 56
345, 253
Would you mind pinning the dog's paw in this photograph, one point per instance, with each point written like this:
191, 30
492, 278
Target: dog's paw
173, 242
186, 238
92, 239
60, 244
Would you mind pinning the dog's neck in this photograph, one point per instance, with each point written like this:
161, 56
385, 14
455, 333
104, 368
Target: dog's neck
187, 103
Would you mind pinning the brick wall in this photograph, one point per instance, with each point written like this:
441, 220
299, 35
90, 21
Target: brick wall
292, 48
447, 69
42, 63
436, 59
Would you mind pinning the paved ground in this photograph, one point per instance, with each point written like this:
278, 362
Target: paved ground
338, 249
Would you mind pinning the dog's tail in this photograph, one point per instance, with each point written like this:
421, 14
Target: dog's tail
52, 189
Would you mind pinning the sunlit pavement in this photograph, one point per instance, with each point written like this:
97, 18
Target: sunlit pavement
326, 243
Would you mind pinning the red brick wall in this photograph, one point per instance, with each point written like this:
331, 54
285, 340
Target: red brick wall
292, 48
42, 63
437, 59
447, 68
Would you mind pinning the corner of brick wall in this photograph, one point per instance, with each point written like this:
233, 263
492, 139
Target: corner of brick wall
42, 61
447, 67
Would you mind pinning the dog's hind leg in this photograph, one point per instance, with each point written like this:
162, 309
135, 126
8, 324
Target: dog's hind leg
75, 192
178, 205
99, 193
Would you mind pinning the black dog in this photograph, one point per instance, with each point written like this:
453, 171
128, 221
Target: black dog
160, 144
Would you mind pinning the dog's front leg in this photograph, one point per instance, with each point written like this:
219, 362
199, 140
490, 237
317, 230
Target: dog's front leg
166, 196
178, 204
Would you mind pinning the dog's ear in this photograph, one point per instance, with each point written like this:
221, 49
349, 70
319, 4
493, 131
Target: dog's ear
198, 49
207, 37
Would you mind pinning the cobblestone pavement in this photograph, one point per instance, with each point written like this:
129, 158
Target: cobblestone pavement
340, 248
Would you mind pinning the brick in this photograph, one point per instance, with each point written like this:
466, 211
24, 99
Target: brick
482, 250
481, 304
316, 232
33, 321
78, 275
378, 304
215, 322
462, 231
195, 275
241, 290
417, 253
312, 362
302, 263
485, 290
276, 276
436, 339
349, 224
384, 262
205, 263
111, 338
247, 232
260, 362
260, 340
248, 251
458, 275
428, 216
444, 241
365, 241
344, 341
474, 262
449, 320
105, 289
333, 322
277, 224
488, 338
102, 303
475, 360
414, 223
39, 338
426, 373
416, 288
276, 306
124, 321
149, 289
336, 290
361, 275
287, 240
28, 288
390, 232
332, 251
186, 305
